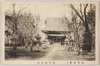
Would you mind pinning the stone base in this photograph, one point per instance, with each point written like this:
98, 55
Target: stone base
83, 52
37, 50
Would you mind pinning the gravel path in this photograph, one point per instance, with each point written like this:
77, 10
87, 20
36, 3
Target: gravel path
51, 54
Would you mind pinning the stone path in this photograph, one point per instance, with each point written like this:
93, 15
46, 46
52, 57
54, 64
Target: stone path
51, 54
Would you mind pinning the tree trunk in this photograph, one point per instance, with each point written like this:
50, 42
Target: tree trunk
31, 49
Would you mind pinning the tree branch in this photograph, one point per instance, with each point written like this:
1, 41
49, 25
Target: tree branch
81, 10
22, 10
86, 23
76, 12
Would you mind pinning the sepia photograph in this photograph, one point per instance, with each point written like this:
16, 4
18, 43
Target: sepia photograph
50, 31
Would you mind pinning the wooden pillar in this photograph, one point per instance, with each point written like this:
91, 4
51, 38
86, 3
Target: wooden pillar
46, 36
60, 40
56, 39
53, 39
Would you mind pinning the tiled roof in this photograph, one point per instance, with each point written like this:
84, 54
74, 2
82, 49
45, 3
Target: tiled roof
55, 24
55, 28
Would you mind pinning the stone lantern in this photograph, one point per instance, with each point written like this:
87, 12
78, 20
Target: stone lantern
38, 42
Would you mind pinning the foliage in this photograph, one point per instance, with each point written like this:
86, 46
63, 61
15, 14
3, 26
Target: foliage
88, 19
21, 26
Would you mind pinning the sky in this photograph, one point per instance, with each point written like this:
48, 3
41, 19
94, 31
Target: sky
44, 9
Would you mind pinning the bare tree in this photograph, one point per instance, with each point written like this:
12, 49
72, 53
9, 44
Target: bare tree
80, 15
83, 18
14, 17
75, 29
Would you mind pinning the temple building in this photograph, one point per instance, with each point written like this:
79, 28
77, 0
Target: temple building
56, 30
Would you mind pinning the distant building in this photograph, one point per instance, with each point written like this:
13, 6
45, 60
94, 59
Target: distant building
55, 29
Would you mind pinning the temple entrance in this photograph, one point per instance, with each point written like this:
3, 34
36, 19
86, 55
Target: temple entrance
56, 39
